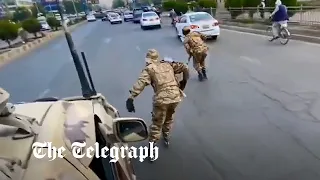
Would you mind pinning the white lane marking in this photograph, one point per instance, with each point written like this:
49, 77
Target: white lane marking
251, 60
107, 40
45, 92
261, 35
138, 48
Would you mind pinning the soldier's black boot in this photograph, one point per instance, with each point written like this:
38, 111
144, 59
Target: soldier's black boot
166, 141
151, 159
204, 73
200, 76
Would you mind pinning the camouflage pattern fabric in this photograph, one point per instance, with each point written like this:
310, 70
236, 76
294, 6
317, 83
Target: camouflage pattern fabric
199, 61
162, 121
196, 47
161, 76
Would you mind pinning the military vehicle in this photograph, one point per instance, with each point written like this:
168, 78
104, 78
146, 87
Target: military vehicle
24, 129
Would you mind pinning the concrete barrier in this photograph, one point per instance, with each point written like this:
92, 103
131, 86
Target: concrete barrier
15, 53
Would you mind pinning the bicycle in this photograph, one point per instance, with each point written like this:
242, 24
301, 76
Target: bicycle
284, 33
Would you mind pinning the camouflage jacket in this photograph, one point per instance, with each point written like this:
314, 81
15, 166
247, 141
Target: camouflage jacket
161, 76
194, 43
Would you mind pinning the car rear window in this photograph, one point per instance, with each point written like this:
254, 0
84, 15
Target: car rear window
138, 12
200, 17
149, 14
128, 13
114, 15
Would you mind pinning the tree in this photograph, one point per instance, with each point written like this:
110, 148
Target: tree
117, 3
68, 5
21, 14
8, 31
207, 3
53, 23
34, 10
32, 25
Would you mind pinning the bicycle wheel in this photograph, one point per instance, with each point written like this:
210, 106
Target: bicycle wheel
269, 32
284, 36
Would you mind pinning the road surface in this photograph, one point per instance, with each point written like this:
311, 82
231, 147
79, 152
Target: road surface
256, 118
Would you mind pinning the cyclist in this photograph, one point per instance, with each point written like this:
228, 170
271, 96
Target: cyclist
279, 17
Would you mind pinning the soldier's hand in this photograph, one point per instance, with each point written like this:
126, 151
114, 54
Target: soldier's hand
182, 84
130, 105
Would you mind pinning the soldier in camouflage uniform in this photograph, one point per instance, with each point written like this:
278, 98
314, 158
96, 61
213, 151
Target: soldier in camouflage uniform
196, 48
168, 92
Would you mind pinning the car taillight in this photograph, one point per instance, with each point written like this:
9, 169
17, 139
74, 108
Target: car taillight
144, 20
216, 24
194, 26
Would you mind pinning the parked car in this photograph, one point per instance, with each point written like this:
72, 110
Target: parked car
137, 15
198, 21
128, 15
91, 17
150, 19
44, 26
115, 18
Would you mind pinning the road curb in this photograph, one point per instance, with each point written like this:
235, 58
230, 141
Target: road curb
299, 37
15, 53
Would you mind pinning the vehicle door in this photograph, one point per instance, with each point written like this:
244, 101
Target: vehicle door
181, 24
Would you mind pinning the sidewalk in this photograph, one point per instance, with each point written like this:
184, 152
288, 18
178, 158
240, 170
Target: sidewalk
304, 33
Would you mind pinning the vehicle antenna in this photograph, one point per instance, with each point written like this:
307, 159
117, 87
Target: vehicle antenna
86, 90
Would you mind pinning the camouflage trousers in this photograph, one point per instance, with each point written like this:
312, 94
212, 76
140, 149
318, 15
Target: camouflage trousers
162, 121
199, 60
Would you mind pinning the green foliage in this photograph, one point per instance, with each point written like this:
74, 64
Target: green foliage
168, 5
8, 31
271, 3
207, 3
53, 23
31, 25
68, 5
178, 6
117, 3
21, 14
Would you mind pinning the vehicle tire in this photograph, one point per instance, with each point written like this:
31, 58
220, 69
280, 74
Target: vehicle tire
159, 26
214, 37
46, 99
284, 36
143, 28
269, 32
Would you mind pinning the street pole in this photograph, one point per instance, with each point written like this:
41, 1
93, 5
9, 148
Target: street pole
35, 4
74, 7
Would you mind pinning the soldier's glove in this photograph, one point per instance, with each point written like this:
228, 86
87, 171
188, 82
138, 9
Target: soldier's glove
130, 105
183, 84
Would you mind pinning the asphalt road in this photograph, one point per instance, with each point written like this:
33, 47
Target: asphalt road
256, 118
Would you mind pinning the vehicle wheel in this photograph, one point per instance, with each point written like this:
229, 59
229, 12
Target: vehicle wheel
214, 37
159, 26
46, 99
284, 36
269, 32
143, 28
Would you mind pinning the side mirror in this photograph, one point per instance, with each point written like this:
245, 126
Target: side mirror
130, 129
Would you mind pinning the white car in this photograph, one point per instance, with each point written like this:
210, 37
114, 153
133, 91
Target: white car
44, 25
198, 21
115, 18
150, 19
128, 15
91, 17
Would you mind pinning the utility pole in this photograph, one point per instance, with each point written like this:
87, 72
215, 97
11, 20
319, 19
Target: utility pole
74, 7
36, 5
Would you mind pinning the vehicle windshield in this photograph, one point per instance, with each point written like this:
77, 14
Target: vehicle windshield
114, 15
128, 13
200, 17
149, 14
43, 22
138, 12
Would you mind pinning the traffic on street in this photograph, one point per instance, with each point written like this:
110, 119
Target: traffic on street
257, 117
